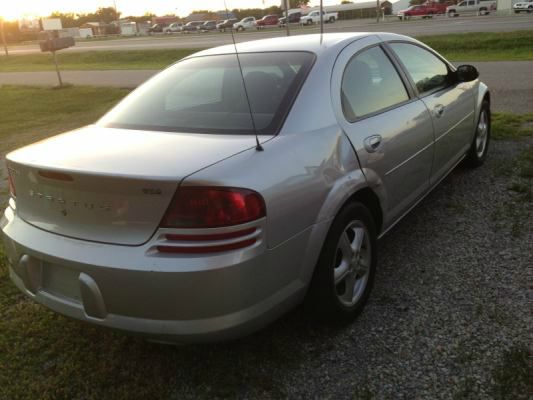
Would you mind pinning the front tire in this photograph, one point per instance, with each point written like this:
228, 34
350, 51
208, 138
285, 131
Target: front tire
480, 145
344, 274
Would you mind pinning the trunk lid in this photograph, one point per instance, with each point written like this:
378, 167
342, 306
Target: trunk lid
110, 185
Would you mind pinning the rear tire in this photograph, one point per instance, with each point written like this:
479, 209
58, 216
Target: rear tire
345, 271
480, 145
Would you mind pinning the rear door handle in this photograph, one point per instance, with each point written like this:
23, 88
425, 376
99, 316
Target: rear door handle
372, 143
438, 110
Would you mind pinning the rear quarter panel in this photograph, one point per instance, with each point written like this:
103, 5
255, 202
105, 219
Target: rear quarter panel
305, 174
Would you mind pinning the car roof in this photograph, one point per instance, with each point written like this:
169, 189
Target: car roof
315, 43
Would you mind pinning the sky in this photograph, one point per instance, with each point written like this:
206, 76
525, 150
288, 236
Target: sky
10, 9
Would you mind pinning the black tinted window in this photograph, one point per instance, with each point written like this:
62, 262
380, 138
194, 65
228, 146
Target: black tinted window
206, 95
429, 73
370, 83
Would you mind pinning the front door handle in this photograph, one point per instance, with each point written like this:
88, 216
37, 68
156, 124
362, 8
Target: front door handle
438, 110
372, 143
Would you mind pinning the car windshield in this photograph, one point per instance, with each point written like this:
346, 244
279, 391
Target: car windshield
206, 95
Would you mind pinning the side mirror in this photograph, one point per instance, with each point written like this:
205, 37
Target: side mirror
467, 73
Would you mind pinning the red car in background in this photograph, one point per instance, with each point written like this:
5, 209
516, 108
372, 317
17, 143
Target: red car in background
426, 10
267, 21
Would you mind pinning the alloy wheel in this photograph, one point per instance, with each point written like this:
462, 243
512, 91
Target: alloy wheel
482, 133
352, 263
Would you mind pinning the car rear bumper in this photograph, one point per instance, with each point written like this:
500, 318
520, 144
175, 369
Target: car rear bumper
173, 299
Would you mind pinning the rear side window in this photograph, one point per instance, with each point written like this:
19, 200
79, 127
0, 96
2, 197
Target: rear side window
370, 83
428, 72
207, 95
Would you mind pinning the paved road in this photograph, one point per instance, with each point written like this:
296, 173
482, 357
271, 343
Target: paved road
436, 26
511, 82
116, 78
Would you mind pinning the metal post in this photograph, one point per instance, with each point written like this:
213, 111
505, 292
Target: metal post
287, 17
57, 69
3, 35
377, 11
322, 17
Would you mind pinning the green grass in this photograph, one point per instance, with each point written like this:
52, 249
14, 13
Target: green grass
513, 377
43, 110
522, 179
511, 126
94, 60
485, 46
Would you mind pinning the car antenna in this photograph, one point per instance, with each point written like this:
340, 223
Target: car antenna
258, 146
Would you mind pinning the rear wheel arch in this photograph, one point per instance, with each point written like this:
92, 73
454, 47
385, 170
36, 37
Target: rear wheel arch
486, 97
370, 200
364, 196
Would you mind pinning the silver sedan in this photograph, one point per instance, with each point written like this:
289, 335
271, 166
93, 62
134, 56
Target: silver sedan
227, 190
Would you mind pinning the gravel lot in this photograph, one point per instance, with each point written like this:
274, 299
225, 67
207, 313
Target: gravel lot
451, 298
449, 313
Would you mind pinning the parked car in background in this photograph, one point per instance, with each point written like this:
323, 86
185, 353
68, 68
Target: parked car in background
192, 26
267, 21
480, 7
314, 17
526, 6
423, 10
245, 23
208, 26
157, 28
228, 23
228, 191
294, 17
173, 28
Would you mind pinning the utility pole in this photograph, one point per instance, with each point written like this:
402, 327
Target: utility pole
116, 11
322, 17
287, 17
378, 10
2, 33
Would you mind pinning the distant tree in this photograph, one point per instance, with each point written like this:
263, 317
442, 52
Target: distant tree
298, 3
241, 13
68, 20
143, 18
12, 31
106, 14
346, 2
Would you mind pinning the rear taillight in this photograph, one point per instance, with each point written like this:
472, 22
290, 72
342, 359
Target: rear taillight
213, 207
11, 183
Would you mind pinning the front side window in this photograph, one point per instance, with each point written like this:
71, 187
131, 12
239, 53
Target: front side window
207, 95
370, 83
428, 72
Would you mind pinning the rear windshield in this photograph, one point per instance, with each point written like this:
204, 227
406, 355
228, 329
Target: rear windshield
206, 95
